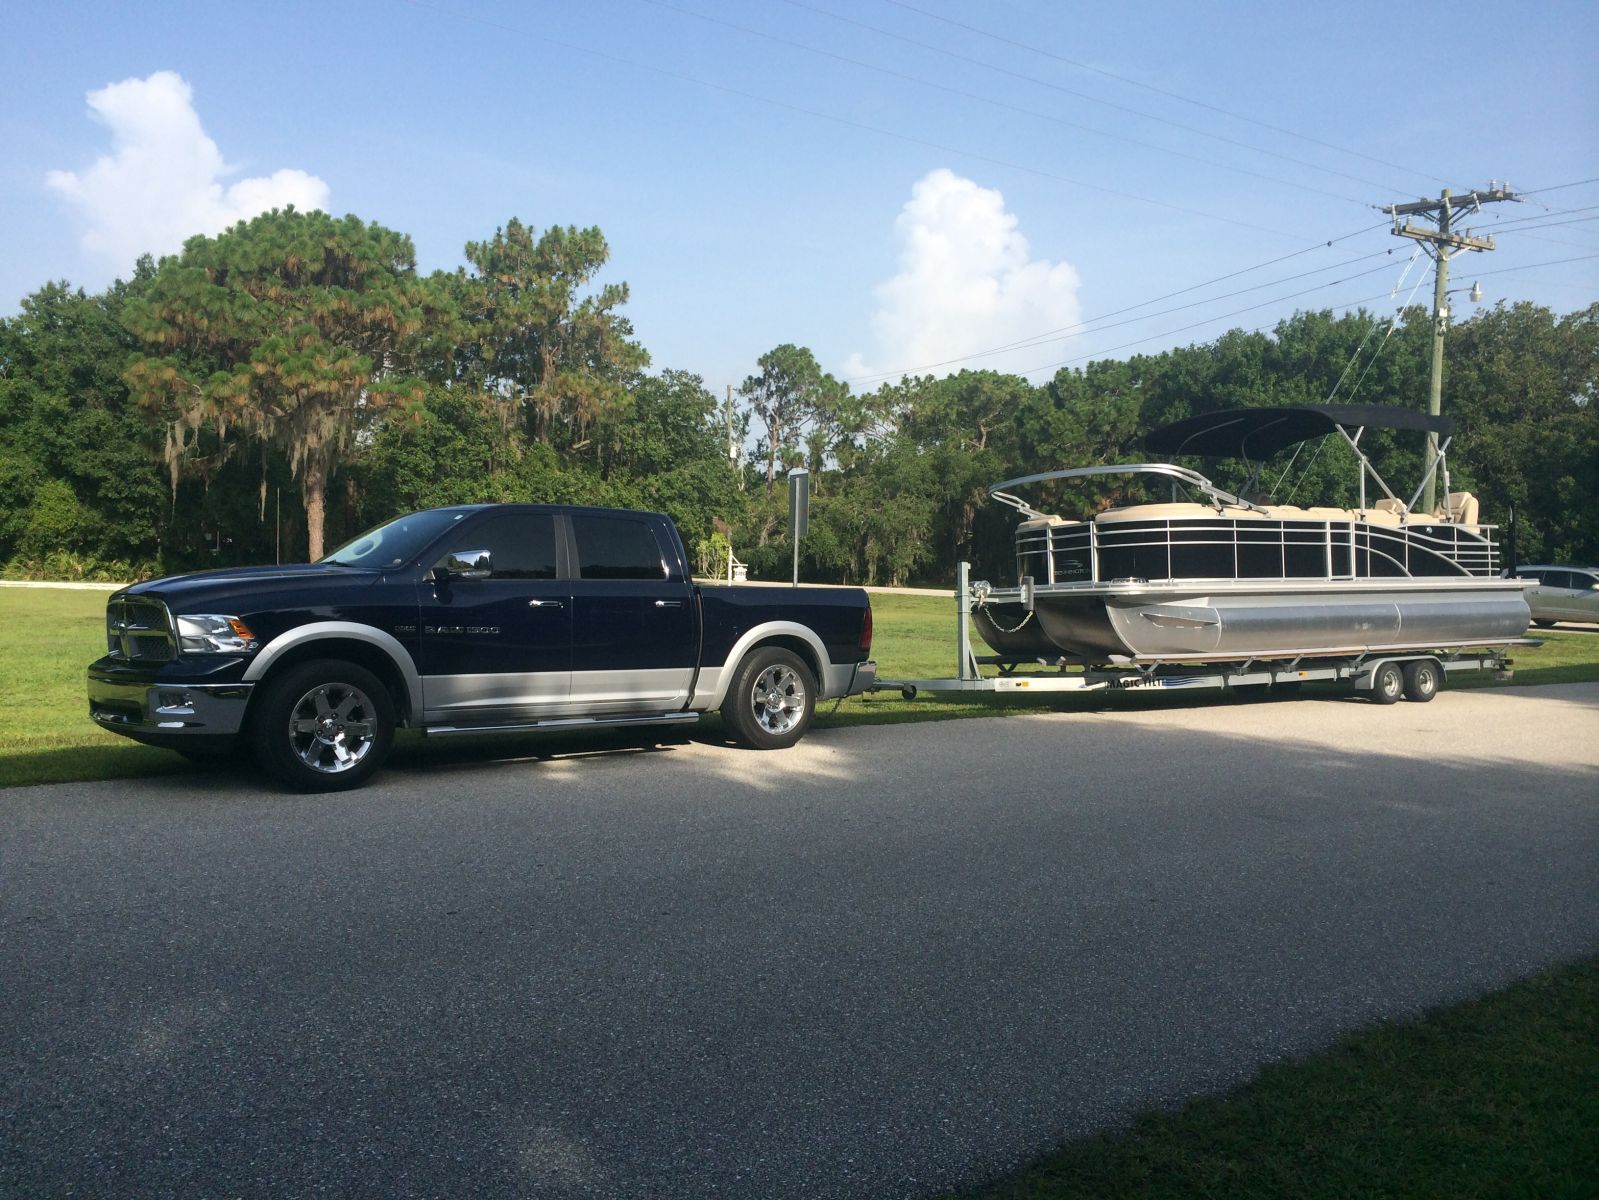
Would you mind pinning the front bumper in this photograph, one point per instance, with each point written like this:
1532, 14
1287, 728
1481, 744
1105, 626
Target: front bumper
173, 715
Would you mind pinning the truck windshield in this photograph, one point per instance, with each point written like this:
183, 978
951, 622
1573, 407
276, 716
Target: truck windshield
396, 542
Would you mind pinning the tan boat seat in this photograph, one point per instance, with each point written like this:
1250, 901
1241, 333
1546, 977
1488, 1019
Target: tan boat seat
1390, 506
1459, 508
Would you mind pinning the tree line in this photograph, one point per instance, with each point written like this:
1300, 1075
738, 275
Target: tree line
275, 389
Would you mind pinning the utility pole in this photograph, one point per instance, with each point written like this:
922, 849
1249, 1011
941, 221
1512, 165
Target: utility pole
1443, 243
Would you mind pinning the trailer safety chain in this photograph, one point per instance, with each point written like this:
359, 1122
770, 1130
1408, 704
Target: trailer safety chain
982, 602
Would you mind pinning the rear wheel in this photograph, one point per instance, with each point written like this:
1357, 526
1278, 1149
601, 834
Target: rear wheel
1387, 683
323, 726
1422, 680
771, 700
1542, 622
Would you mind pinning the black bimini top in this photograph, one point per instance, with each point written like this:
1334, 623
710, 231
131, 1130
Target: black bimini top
1258, 433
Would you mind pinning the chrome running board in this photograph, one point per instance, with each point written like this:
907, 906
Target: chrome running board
672, 718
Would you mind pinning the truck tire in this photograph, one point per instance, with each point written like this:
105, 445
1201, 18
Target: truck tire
1422, 680
1387, 683
323, 726
771, 700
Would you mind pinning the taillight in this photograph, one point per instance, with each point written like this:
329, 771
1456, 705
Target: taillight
866, 630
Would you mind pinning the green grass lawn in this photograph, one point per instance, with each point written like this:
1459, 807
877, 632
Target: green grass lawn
48, 636
1498, 1097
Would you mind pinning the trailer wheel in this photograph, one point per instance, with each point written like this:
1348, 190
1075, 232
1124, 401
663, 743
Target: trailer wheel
1422, 680
1387, 683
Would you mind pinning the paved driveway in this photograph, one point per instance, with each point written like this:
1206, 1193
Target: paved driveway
894, 960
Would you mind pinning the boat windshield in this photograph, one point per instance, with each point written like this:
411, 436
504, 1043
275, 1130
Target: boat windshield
1118, 486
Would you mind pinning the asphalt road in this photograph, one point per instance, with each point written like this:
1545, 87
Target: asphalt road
892, 961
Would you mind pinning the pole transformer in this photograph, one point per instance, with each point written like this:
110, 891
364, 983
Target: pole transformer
1442, 243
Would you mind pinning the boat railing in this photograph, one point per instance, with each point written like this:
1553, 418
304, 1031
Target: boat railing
1227, 548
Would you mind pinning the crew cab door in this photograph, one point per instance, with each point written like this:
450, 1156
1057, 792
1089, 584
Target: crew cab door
635, 620
499, 647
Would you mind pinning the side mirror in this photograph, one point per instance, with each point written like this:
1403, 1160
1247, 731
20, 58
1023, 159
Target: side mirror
464, 564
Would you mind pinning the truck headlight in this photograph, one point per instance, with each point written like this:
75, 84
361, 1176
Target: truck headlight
208, 633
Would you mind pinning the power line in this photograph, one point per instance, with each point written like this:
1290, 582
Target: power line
639, 65
1270, 262
1555, 187
1082, 66
981, 99
1523, 228
1047, 83
1099, 325
1520, 233
1099, 354
1553, 262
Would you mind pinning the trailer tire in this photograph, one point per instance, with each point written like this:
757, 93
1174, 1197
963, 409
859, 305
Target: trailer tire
1422, 680
1387, 683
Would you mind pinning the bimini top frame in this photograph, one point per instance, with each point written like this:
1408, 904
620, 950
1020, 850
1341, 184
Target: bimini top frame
1255, 434
1000, 491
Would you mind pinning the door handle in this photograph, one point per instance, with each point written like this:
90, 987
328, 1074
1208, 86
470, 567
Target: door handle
668, 604
544, 604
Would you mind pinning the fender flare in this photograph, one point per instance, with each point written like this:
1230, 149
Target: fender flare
709, 693
319, 631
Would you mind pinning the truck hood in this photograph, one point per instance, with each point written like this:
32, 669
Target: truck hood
241, 588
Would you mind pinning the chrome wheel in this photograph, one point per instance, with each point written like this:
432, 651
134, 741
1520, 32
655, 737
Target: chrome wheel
333, 727
778, 699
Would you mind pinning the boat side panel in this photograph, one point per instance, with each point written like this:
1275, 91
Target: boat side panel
1266, 624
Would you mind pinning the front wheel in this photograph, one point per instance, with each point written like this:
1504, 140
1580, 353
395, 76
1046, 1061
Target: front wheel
323, 726
1542, 622
771, 700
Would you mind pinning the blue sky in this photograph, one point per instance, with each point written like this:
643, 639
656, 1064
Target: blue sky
767, 172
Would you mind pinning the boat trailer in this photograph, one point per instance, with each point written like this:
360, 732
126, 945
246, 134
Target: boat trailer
1387, 675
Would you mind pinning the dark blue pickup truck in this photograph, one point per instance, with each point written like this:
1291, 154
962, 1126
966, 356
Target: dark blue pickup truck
473, 619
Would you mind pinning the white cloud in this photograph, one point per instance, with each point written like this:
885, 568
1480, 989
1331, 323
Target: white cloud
162, 182
965, 283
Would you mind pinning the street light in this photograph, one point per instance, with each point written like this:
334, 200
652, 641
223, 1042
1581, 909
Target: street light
1475, 296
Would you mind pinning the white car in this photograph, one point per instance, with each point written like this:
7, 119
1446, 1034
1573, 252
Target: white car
1562, 593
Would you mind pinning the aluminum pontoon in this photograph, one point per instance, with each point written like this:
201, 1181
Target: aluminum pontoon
1210, 576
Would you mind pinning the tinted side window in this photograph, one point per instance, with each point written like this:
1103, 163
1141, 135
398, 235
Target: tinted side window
1557, 579
1525, 574
616, 548
521, 545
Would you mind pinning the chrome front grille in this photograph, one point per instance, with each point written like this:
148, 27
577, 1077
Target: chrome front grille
139, 630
